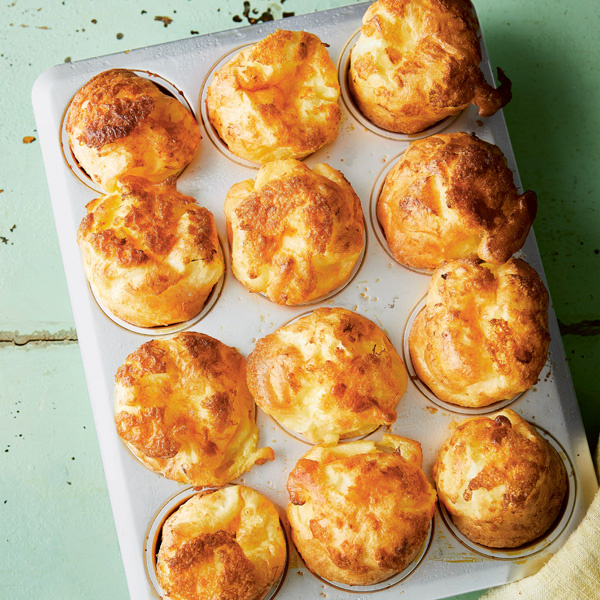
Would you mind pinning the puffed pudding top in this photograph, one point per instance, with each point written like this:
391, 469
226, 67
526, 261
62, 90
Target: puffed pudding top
501, 481
329, 375
483, 335
276, 99
151, 254
183, 408
452, 196
360, 511
295, 233
122, 124
225, 544
417, 62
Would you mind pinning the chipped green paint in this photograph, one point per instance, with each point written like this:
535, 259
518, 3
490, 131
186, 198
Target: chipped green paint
14, 338
58, 538
253, 16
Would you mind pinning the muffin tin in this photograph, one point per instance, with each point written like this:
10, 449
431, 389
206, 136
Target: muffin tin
381, 289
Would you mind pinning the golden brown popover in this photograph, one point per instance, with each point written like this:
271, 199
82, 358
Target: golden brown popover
452, 196
360, 511
417, 62
151, 254
276, 99
122, 124
183, 408
295, 233
501, 481
483, 335
328, 375
225, 544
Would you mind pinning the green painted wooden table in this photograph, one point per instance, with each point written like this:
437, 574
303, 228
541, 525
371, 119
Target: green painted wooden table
57, 537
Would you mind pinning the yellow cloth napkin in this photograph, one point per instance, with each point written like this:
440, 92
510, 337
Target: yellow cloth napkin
571, 574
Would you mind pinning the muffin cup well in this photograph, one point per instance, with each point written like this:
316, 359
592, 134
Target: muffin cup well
298, 436
154, 537
539, 544
344, 73
78, 171
162, 330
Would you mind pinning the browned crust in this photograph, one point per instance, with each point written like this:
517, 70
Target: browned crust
110, 106
183, 408
276, 99
334, 367
147, 432
424, 65
483, 335
519, 485
452, 196
235, 577
151, 254
295, 233
369, 531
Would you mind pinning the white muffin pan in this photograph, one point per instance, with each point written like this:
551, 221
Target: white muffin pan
381, 290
